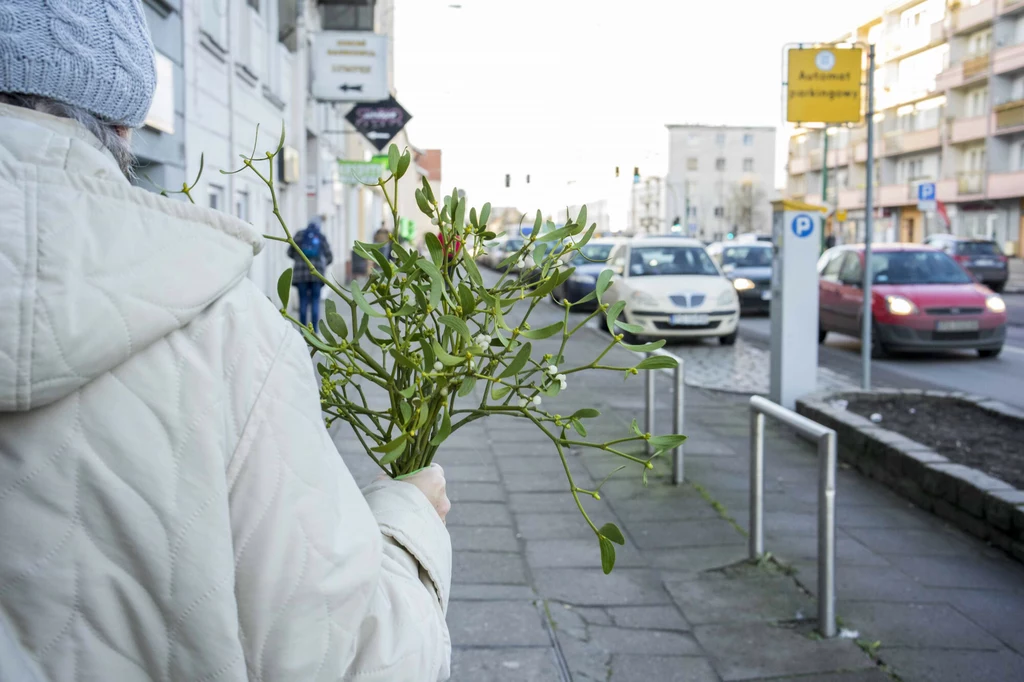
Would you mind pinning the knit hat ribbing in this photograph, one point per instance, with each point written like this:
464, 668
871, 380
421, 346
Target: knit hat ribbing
95, 54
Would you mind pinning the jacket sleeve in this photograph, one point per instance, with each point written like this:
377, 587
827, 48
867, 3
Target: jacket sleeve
328, 254
330, 584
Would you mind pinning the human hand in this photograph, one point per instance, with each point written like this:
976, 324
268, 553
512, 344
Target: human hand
431, 483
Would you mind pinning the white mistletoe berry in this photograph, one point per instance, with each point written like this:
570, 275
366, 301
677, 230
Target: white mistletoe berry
438, 366
523, 402
536, 401
552, 370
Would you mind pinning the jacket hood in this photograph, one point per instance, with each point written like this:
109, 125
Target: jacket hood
93, 270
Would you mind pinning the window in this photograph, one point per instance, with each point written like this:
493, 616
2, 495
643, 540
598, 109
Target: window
851, 270
348, 17
748, 165
215, 198
692, 211
719, 212
242, 206
748, 139
1017, 156
977, 102
720, 139
831, 269
720, 164
691, 163
214, 20
980, 42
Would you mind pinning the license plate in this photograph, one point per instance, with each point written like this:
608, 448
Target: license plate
689, 320
766, 295
956, 326
984, 263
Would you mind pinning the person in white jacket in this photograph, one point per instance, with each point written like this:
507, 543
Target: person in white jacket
171, 505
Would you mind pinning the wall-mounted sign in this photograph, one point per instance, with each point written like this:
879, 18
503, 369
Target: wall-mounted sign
289, 168
823, 85
350, 66
361, 172
379, 122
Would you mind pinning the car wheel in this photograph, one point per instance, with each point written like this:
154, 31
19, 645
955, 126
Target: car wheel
728, 339
821, 335
989, 352
878, 349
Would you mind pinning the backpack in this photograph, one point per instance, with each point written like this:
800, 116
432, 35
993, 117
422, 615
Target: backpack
312, 244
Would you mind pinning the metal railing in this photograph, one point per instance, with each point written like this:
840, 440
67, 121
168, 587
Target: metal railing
678, 397
826, 437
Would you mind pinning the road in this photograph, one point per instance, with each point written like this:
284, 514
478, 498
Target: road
1001, 378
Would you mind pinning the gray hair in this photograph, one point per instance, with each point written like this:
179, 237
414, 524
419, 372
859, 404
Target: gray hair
116, 138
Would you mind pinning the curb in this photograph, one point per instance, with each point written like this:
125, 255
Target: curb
984, 506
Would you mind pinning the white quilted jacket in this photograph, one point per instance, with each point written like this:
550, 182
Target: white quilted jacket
171, 506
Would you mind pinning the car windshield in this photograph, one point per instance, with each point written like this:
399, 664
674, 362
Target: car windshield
670, 260
977, 249
513, 245
916, 267
592, 253
747, 256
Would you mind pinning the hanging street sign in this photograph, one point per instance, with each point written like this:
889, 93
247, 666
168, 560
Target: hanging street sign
349, 66
379, 122
823, 85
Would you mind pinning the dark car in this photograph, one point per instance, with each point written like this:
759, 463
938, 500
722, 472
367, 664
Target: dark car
590, 261
981, 257
922, 300
749, 265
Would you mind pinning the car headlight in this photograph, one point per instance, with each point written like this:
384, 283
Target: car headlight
726, 297
898, 305
742, 284
995, 304
583, 279
641, 298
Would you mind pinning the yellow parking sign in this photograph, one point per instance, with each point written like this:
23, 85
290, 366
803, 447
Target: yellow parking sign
824, 85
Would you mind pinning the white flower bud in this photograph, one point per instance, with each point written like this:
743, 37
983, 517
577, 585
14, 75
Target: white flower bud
438, 366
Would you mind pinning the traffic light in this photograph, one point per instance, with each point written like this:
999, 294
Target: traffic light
730, 235
508, 180
636, 175
527, 179
677, 222
616, 171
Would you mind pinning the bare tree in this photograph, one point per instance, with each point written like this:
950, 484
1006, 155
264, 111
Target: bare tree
746, 207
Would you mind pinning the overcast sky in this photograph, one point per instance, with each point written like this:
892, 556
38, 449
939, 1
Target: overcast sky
565, 90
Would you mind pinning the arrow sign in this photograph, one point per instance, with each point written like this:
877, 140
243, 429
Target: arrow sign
354, 88
379, 122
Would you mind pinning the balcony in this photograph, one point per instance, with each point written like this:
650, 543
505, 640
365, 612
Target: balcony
1008, 59
967, 129
947, 190
970, 18
970, 183
1009, 116
838, 157
894, 195
799, 165
975, 66
938, 32
813, 199
851, 198
815, 159
1006, 185
860, 152
918, 140
1008, 6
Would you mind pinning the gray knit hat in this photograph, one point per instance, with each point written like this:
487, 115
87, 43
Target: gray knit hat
95, 54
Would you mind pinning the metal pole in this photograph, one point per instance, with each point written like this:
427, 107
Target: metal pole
756, 484
649, 406
824, 184
827, 534
869, 219
678, 397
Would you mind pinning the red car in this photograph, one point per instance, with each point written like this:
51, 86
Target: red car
922, 300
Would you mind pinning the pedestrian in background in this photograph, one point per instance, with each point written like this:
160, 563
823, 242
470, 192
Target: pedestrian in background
313, 244
171, 505
382, 236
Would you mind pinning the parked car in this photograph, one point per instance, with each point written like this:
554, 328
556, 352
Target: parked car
506, 249
672, 288
981, 257
598, 255
922, 300
749, 266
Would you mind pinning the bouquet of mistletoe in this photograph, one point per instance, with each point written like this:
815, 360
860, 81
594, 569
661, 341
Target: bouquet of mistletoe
425, 332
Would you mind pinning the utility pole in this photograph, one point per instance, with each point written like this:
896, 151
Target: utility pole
869, 217
824, 186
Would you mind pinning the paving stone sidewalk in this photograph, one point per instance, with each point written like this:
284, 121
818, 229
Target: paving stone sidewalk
529, 600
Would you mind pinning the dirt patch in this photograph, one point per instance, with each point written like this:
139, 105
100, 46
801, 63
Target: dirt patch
959, 430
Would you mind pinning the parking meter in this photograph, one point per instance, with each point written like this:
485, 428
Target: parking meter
796, 236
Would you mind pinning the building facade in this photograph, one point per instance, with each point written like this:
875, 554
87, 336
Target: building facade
949, 92
720, 180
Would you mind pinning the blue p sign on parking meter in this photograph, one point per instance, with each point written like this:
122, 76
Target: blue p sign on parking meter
802, 225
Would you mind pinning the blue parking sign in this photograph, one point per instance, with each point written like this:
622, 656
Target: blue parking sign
926, 191
802, 225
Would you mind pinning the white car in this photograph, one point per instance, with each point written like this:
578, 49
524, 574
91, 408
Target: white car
673, 289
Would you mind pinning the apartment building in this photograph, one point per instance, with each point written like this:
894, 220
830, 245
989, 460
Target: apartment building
949, 93
720, 179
